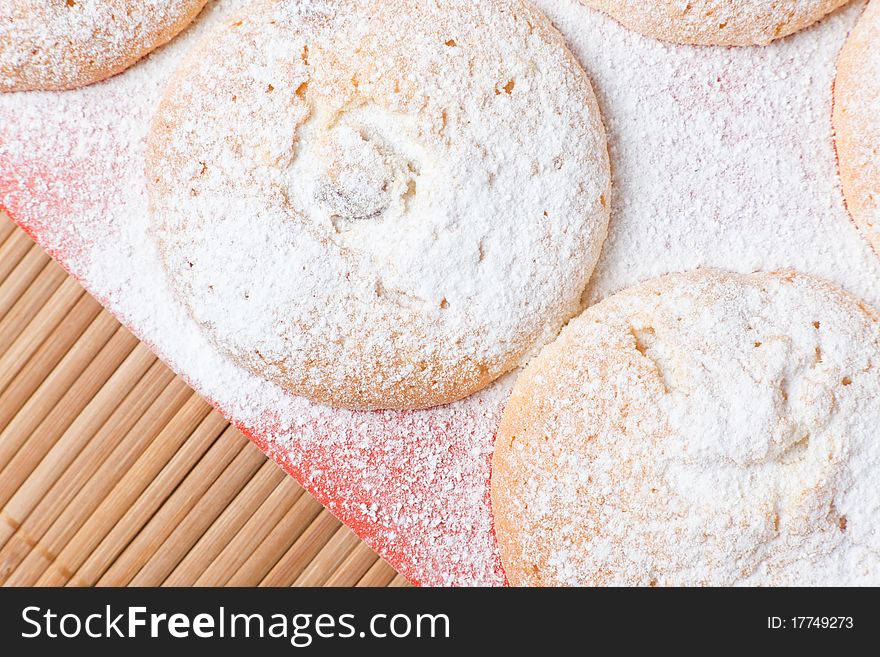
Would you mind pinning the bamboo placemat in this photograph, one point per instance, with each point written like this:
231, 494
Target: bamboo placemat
114, 472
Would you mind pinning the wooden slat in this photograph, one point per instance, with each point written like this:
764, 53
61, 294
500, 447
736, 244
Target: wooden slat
20, 278
398, 581
76, 495
113, 472
335, 553
250, 537
355, 567
6, 228
44, 323
47, 414
44, 360
141, 498
209, 544
304, 550
107, 404
42, 499
199, 519
276, 544
12, 250
223, 452
379, 574
34, 299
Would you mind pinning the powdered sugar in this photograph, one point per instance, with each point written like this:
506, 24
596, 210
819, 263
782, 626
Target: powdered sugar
380, 218
707, 428
58, 44
720, 156
717, 22
857, 122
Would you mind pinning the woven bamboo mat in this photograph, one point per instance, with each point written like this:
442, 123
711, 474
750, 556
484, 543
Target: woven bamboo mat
113, 472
